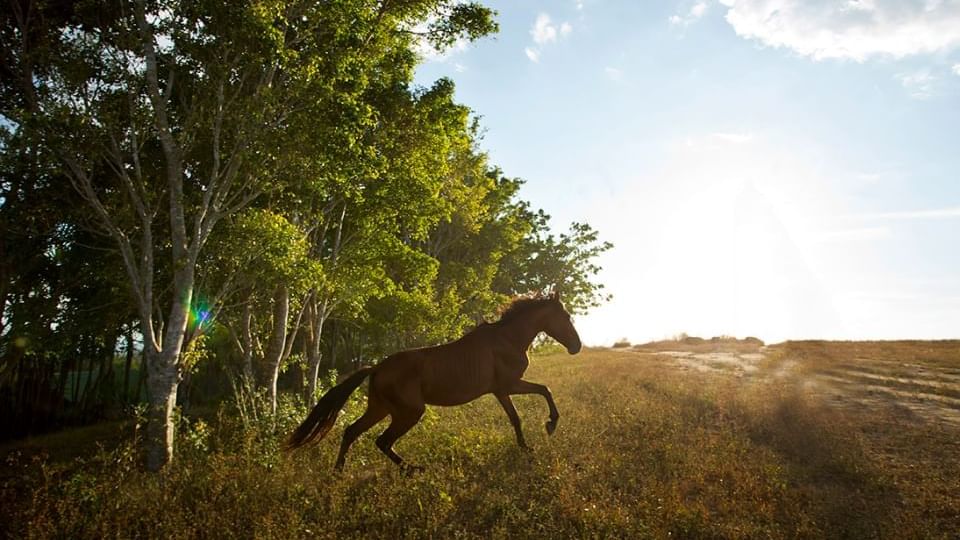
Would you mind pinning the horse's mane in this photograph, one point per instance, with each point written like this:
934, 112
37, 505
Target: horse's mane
521, 305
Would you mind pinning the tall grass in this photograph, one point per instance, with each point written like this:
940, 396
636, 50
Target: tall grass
641, 451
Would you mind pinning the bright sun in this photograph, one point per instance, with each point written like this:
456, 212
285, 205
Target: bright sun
727, 238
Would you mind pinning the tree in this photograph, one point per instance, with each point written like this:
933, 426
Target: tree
260, 258
61, 303
169, 117
567, 262
263, 166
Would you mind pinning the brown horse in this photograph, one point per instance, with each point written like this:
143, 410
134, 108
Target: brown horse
490, 359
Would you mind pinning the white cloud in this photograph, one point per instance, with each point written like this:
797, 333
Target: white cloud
695, 12
718, 140
732, 138
956, 69
920, 84
855, 29
544, 32
613, 73
459, 68
698, 9
579, 5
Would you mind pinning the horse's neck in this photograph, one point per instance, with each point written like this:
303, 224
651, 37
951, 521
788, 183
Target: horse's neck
520, 332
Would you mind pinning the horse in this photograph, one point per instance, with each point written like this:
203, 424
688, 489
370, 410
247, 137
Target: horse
490, 359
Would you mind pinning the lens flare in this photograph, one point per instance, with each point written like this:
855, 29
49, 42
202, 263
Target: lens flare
200, 315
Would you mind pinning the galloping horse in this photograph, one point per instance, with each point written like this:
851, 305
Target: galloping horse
490, 359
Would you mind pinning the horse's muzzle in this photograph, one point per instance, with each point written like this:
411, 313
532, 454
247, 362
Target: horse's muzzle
574, 349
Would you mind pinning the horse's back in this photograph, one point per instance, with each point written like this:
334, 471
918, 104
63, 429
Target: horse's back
449, 374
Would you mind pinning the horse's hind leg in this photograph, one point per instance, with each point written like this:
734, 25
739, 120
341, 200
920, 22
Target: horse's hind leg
511, 411
401, 422
375, 413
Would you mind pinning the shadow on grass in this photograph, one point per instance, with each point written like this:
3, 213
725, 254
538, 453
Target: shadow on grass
841, 489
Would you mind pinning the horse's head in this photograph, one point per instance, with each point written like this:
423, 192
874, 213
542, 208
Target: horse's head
558, 325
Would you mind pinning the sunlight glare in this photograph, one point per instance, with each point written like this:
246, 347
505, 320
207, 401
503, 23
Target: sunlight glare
735, 252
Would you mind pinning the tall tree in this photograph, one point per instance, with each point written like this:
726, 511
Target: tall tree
170, 116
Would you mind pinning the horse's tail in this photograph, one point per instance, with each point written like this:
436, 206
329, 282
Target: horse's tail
324, 414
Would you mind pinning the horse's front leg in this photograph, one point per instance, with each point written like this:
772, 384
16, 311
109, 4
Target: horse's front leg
525, 387
511, 411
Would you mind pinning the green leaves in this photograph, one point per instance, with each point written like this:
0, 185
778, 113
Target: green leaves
268, 250
566, 262
468, 21
226, 151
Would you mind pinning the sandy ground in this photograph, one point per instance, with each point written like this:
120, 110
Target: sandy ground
923, 392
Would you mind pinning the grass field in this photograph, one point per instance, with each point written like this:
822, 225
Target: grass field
808, 440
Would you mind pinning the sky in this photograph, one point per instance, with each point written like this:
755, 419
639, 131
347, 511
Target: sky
784, 169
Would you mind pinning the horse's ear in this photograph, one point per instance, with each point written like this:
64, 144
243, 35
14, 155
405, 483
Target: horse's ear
555, 295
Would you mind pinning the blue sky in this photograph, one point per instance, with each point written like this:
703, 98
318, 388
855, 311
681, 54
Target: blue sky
777, 168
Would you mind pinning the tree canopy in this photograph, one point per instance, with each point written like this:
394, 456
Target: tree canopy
265, 173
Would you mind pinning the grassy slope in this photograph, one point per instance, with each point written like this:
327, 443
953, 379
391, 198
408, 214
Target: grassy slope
642, 450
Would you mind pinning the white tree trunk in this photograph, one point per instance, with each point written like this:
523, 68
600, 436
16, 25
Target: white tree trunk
278, 340
318, 316
247, 343
163, 375
162, 381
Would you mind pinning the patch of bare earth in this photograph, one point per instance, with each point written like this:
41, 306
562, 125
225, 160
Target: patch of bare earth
723, 362
929, 400
928, 390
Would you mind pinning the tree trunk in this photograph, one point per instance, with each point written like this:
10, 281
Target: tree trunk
318, 315
88, 383
314, 357
162, 380
141, 378
78, 362
278, 339
126, 367
4, 272
163, 374
247, 336
61, 391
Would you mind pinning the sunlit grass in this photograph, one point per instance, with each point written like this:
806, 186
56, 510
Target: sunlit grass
643, 450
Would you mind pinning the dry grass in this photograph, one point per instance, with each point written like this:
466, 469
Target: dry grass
643, 450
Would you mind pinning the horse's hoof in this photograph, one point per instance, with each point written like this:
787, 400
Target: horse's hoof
551, 426
526, 449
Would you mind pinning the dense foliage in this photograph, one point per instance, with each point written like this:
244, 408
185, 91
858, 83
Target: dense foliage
240, 196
